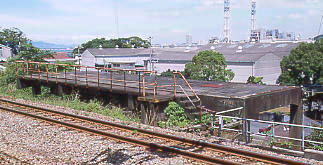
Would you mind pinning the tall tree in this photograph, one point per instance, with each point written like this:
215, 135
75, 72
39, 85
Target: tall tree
30, 53
135, 42
304, 65
13, 38
208, 65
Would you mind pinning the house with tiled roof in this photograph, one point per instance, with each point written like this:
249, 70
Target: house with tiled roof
61, 57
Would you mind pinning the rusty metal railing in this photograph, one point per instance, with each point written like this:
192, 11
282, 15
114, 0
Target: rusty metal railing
192, 90
72, 73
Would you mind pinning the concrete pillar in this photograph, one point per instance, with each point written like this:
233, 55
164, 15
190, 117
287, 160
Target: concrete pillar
36, 89
131, 102
149, 113
59, 90
20, 84
296, 117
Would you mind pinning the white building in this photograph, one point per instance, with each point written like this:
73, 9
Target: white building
121, 58
5, 53
244, 59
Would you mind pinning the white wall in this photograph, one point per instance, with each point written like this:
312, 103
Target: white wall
268, 67
241, 72
88, 59
136, 60
162, 67
5, 53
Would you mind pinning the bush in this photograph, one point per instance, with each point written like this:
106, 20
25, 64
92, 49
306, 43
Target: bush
175, 116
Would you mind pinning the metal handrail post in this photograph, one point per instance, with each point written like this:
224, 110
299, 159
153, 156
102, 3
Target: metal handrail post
124, 82
139, 82
47, 72
16, 70
98, 78
111, 81
56, 73
155, 88
86, 77
303, 138
143, 85
174, 78
23, 70
65, 75
75, 79
220, 126
38, 68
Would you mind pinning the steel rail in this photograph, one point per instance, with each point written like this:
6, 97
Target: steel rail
153, 146
172, 137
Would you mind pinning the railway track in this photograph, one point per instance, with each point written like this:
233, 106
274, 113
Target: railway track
201, 151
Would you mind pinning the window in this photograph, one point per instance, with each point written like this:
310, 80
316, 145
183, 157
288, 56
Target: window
116, 65
248, 46
232, 46
264, 45
281, 45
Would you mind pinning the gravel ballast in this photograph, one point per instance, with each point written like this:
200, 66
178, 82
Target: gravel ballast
37, 142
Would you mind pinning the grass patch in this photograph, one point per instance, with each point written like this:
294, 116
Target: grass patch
68, 101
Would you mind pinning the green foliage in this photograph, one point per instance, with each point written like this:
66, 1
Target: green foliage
8, 75
121, 42
306, 59
175, 116
30, 53
316, 135
208, 65
206, 119
287, 144
69, 101
255, 80
170, 73
12, 38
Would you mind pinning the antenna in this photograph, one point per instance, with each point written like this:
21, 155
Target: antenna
226, 30
116, 17
320, 26
253, 15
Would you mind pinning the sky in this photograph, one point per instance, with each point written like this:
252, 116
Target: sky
73, 22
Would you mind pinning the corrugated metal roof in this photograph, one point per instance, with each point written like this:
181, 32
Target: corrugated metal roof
117, 52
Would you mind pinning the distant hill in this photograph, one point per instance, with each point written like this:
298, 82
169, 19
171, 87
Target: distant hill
41, 44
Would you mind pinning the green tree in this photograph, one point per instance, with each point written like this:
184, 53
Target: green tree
255, 80
30, 53
13, 38
303, 66
208, 65
121, 42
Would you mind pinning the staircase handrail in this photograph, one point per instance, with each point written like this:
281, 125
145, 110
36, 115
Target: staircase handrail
188, 84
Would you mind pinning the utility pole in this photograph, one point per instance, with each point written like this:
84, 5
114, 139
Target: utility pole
150, 54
